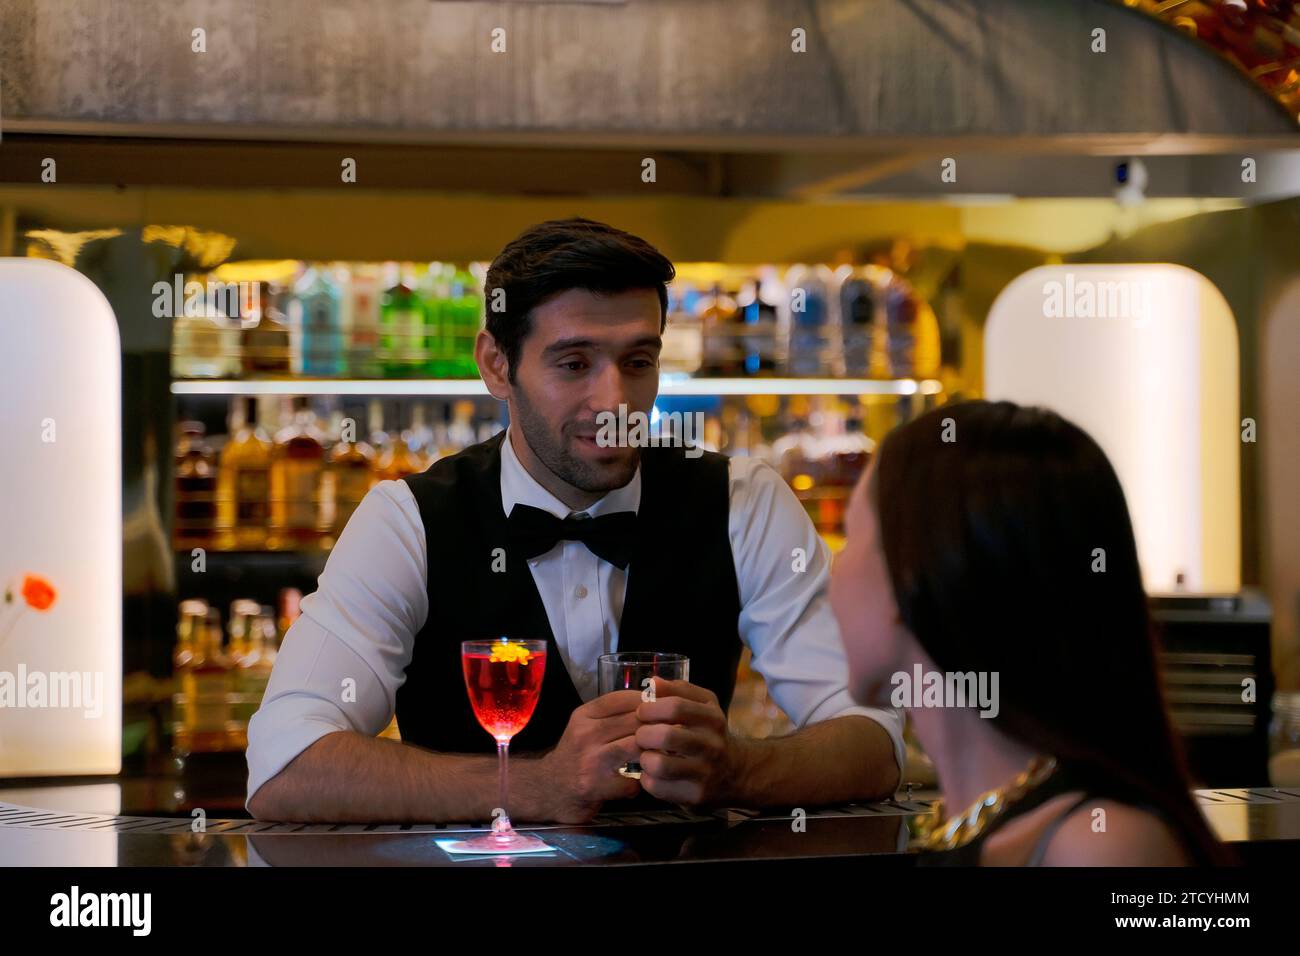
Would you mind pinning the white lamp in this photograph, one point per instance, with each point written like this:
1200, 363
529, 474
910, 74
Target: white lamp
60, 524
1144, 358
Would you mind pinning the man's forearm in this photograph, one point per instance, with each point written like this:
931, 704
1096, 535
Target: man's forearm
348, 777
845, 758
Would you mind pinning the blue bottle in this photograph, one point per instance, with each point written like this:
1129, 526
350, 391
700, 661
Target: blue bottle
316, 316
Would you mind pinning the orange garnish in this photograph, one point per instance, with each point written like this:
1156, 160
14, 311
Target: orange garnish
38, 592
510, 653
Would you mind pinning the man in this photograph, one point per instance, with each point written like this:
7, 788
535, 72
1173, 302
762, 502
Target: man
575, 311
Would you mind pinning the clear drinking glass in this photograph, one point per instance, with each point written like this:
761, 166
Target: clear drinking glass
633, 670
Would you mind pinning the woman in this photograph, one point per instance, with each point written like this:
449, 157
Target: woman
992, 539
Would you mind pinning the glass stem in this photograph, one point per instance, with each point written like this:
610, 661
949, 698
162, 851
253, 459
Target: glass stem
503, 762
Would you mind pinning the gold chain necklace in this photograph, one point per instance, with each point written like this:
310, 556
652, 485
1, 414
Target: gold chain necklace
961, 829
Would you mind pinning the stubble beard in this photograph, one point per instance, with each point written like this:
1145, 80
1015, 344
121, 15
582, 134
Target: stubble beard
553, 452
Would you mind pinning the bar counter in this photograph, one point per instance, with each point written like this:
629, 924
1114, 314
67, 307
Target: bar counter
127, 822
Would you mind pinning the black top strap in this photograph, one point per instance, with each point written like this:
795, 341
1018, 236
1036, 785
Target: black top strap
1040, 849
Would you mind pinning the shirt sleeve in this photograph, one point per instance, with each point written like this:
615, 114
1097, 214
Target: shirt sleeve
783, 569
343, 660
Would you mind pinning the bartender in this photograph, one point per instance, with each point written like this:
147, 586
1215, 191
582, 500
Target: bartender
544, 531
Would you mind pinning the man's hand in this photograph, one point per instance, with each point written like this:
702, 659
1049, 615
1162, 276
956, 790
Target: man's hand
687, 755
581, 772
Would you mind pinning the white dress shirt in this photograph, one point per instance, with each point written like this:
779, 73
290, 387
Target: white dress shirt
372, 600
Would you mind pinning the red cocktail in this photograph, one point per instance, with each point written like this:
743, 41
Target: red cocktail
504, 680
503, 690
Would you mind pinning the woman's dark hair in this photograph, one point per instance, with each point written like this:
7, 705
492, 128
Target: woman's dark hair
994, 522
553, 257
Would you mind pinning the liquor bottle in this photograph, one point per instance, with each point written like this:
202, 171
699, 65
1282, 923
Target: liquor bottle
351, 462
683, 345
315, 323
362, 321
206, 686
239, 641
196, 489
842, 454
204, 345
403, 320
376, 436
433, 288
810, 349
756, 326
260, 659
242, 611
396, 459
857, 307
265, 345
913, 331
252, 672
422, 442
192, 618
462, 317
301, 508
717, 313
243, 484
460, 430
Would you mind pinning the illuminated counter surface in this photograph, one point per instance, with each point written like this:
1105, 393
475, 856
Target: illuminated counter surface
77, 825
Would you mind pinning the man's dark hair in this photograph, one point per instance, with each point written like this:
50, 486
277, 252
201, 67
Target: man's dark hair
562, 254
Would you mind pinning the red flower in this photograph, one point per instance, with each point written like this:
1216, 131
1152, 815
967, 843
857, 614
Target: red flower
38, 592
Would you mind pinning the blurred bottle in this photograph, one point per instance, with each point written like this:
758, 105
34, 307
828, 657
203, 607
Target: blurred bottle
756, 324
196, 489
683, 346
403, 321
361, 320
717, 313
301, 508
192, 618
460, 430
252, 672
396, 460
205, 695
432, 288
243, 483
265, 345
812, 341
315, 323
351, 462
204, 344
238, 627
460, 318
913, 331
422, 443
858, 317
842, 452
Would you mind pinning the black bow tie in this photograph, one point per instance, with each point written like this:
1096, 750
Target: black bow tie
608, 536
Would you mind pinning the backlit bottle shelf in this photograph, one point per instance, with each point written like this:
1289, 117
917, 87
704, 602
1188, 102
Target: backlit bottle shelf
669, 384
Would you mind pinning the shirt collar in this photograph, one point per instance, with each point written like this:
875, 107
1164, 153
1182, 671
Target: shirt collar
519, 487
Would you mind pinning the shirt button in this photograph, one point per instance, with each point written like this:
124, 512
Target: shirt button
580, 591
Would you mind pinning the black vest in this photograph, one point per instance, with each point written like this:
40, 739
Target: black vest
682, 595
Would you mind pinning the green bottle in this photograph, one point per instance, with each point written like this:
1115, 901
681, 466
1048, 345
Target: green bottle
462, 319
403, 346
